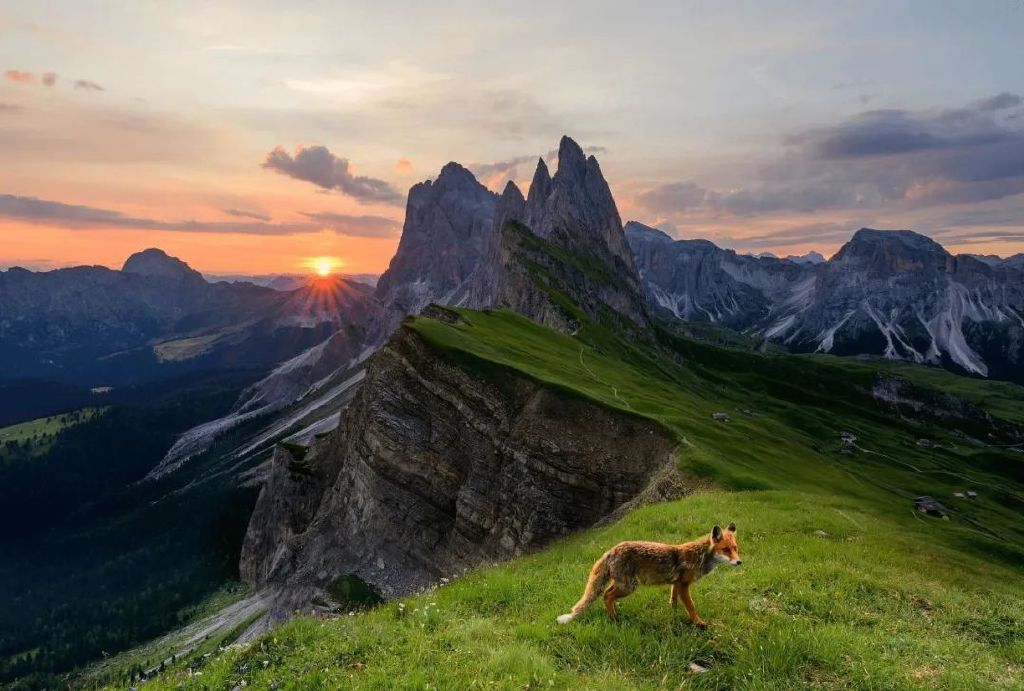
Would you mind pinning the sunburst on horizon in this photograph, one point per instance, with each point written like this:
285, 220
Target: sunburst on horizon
324, 266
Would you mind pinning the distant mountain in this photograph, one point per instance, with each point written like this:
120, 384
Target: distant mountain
811, 257
893, 293
696, 280
285, 282
155, 317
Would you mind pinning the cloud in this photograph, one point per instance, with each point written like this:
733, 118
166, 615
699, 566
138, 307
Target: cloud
856, 84
316, 164
357, 226
999, 102
403, 166
506, 169
49, 79
19, 77
895, 159
86, 85
58, 214
810, 233
673, 197
242, 213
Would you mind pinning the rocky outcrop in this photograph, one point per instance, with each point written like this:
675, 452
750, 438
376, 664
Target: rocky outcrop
449, 226
904, 398
576, 210
438, 467
897, 294
562, 253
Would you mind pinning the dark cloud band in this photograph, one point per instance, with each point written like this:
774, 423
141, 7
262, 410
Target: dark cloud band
75, 216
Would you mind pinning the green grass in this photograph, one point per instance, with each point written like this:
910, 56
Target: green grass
41, 432
843, 584
866, 602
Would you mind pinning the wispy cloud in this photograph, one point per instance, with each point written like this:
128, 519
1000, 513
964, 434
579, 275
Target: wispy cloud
48, 79
87, 85
19, 77
76, 216
316, 164
243, 213
357, 226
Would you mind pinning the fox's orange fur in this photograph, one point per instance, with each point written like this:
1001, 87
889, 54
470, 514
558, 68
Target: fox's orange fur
628, 564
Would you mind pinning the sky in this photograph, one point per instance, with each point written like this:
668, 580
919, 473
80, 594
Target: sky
249, 136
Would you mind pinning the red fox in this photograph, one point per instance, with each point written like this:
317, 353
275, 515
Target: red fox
628, 564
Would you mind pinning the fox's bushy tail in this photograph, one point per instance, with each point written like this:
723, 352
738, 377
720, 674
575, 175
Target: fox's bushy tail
600, 574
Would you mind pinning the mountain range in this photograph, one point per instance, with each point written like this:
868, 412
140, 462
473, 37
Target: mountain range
157, 317
895, 294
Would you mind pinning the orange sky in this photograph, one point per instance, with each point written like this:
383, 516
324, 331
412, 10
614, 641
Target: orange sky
215, 253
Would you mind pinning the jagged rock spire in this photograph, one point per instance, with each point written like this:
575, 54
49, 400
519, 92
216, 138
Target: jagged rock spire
577, 205
447, 233
540, 188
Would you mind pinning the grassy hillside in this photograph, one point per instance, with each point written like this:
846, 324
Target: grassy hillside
829, 595
843, 584
35, 437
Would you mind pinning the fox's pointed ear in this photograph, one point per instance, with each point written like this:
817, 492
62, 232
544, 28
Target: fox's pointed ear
716, 533
731, 528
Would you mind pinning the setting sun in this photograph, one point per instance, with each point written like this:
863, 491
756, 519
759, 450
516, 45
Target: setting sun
323, 266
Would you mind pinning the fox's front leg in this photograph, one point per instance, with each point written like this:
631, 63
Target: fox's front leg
688, 603
673, 596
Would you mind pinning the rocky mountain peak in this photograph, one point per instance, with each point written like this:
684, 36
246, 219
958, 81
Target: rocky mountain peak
645, 233
156, 262
511, 206
891, 251
575, 207
811, 257
454, 175
447, 231
540, 187
571, 159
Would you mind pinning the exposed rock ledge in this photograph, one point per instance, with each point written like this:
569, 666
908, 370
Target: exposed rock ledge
436, 468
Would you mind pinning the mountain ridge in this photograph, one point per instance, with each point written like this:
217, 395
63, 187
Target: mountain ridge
897, 294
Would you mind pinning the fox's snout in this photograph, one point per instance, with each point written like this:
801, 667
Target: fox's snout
736, 562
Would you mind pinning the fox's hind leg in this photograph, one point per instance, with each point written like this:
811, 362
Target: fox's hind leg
673, 596
616, 591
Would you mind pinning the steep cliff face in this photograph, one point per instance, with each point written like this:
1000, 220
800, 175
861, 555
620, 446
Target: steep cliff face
437, 467
448, 229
